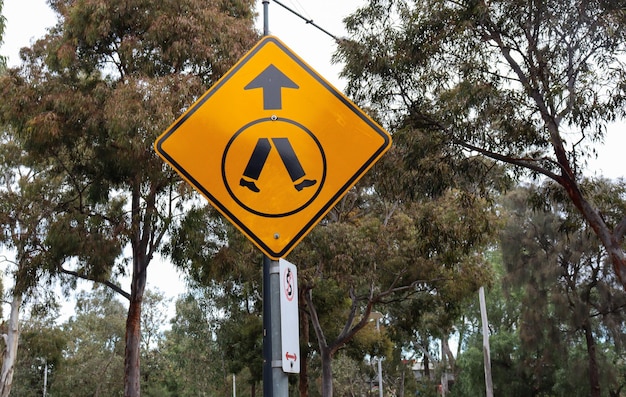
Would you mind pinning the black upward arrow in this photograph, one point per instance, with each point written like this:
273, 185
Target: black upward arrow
272, 81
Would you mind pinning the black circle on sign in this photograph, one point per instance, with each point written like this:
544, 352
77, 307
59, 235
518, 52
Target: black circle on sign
273, 119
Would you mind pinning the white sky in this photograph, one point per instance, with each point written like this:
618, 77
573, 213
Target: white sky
28, 20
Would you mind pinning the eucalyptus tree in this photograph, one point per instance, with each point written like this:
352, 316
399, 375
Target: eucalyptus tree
42, 345
194, 365
374, 254
369, 253
89, 99
27, 197
533, 84
93, 358
556, 310
510, 373
226, 280
2, 26
570, 298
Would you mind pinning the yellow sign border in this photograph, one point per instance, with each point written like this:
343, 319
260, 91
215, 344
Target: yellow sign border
221, 207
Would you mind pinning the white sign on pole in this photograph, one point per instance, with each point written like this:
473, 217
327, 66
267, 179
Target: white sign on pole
289, 320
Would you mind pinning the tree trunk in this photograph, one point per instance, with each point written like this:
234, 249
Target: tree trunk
133, 331
616, 254
426, 363
327, 373
142, 241
594, 376
11, 340
303, 380
447, 352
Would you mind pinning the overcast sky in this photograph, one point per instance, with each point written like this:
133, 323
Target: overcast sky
29, 19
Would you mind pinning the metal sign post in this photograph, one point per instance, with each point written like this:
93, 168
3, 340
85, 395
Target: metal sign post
273, 147
275, 381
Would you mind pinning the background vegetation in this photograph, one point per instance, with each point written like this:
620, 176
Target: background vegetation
494, 108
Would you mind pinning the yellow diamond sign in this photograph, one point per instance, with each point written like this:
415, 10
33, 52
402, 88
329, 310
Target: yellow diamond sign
273, 146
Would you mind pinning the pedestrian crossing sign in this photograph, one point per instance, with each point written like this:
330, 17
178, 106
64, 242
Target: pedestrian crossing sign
273, 146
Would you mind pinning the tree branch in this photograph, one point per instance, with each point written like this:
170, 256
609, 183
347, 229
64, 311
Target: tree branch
109, 284
319, 333
526, 163
426, 353
620, 230
346, 329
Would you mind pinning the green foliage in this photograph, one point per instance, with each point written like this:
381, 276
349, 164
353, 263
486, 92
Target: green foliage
2, 27
351, 377
225, 273
199, 240
454, 65
509, 374
86, 106
42, 344
193, 364
26, 207
91, 240
153, 317
240, 339
555, 313
464, 84
415, 261
93, 356
371, 342
91, 98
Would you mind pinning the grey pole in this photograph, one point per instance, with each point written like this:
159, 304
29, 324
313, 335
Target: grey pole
266, 22
486, 352
267, 329
380, 364
275, 381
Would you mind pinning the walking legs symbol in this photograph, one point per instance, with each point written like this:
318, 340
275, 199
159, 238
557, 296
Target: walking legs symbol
287, 155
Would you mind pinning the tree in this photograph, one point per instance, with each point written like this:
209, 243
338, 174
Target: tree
2, 26
93, 360
527, 83
154, 316
368, 253
196, 366
225, 275
371, 253
509, 372
556, 310
42, 344
570, 298
240, 341
91, 98
26, 203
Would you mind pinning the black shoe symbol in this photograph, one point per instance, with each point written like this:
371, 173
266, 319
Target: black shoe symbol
305, 183
249, 184
287, 155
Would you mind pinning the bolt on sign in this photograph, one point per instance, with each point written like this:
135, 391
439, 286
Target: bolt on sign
273, 146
